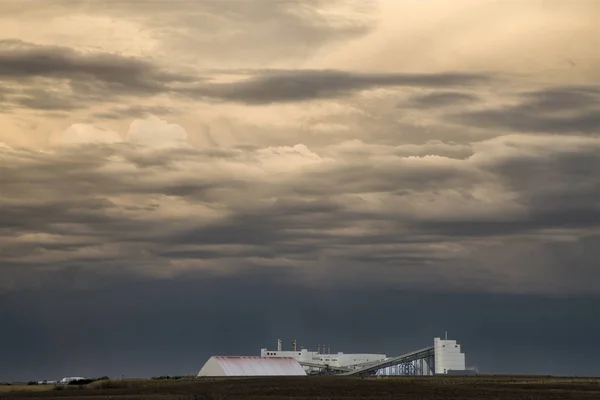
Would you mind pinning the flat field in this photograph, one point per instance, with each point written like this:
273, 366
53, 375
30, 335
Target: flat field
325, 388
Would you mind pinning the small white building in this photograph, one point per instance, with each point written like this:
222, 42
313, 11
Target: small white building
229, 366
71, 379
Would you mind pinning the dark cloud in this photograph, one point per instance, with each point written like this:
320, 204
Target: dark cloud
58, 78
518, 119
563, 98
154, 258
367, 207
290, 86
134, 112
551, 110
402, 227
441, 99
557, 189
21, 60
46, 100
97, 77
108, 316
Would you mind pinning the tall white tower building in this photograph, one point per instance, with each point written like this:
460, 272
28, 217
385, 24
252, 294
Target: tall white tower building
448, 356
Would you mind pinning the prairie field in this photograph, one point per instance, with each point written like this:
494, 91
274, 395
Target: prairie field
325, 388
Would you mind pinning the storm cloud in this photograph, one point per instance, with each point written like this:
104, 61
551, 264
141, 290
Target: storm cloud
24, 60
555, 110
240, 206
126, 75
265, 306
184, 179
58, 78
277, 86
98, 77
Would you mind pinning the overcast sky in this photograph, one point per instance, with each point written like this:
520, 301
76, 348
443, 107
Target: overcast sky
187, 178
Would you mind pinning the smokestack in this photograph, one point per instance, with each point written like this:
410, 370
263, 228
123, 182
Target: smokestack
278, 344
319, 348
328, 349
446, 335
294, 345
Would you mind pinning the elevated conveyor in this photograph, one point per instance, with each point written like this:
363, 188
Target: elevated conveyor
422, 361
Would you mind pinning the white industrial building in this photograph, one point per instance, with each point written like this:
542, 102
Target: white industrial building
223, 366
448, 356
308, 358
443, 357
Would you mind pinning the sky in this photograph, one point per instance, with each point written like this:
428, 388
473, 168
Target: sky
187, 178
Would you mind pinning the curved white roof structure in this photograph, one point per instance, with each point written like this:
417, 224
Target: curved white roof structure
251, 366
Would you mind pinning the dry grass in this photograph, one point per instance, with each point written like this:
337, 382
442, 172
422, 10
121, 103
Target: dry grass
26, 388
334, 388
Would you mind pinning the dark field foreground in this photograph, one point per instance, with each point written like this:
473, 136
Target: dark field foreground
423, 388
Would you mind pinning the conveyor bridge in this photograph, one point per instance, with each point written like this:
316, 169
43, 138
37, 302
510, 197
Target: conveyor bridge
419, 362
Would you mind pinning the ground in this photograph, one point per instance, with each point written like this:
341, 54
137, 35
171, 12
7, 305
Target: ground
325, 388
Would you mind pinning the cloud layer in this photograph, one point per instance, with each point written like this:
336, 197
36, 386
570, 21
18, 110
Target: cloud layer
160, 206
102, 76
338, 158
549, 110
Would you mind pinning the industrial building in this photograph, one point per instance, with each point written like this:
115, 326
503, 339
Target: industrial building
448, 356
444, 357
316, 360
220, 366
